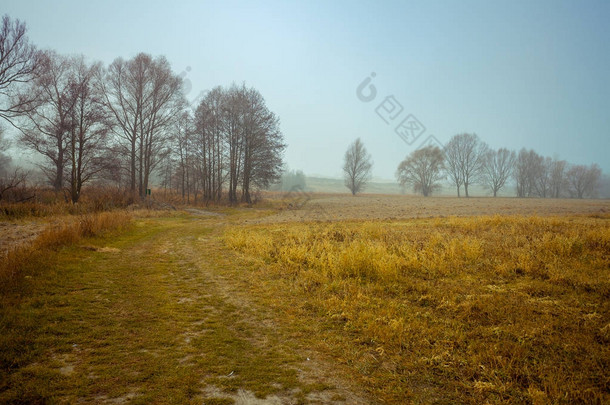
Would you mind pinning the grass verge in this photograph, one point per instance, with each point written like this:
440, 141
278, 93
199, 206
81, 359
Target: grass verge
28, 260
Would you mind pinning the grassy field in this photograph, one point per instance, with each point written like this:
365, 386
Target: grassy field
245, 306
460, 310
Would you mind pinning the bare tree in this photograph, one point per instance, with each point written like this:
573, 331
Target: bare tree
357, 167
210, 143
526, 170
164, 103
422, 169
183, 139
497, 168
453, 159
542, 177
13, 186
583, 181
238, 141
19, 62
465, 157
233, 110
89, 128
263, 145
68, 127
144, 97
557, 181
46, 128
122, 87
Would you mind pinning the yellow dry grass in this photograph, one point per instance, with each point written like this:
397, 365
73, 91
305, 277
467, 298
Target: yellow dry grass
498, 309
63, 231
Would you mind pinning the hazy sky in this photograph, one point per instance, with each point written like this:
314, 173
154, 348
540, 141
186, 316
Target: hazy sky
532, 74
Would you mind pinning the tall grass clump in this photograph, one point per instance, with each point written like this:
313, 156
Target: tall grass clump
25, 260
469, 310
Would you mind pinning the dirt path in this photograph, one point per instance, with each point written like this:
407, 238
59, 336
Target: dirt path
13, 234
159, 316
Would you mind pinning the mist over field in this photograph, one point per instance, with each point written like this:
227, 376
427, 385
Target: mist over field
347, 202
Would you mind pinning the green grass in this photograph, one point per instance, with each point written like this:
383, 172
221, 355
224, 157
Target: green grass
146, 315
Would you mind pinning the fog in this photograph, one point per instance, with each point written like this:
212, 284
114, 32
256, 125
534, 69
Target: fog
533, 76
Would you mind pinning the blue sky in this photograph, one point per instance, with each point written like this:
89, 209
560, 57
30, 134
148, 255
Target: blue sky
532, 74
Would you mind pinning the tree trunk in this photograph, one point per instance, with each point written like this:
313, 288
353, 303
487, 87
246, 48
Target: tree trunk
132, 187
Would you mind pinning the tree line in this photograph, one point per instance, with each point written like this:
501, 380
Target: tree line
124, 123
466, 160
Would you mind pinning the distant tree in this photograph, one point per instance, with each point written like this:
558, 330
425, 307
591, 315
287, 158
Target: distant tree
238, 143
526, 171
19, 63
557, 180
497, 168
357, 167
604, 186
422, 169
583, 181
464, 159
453, 152
542, 176
293, 179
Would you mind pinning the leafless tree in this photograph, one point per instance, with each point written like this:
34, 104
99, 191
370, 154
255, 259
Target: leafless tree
183, 141
210, 143
122, 86
46, 128
233, 119
69, 126
557, 183
542, 178
263, 145
238, 141
90, 125
144, 97
497, 168
526, 170
453, 153
464, 160
422, 169
19, 62
164, 103
583, 181
13, 186
357, 167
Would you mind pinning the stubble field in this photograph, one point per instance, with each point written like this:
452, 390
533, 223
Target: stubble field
307, 207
